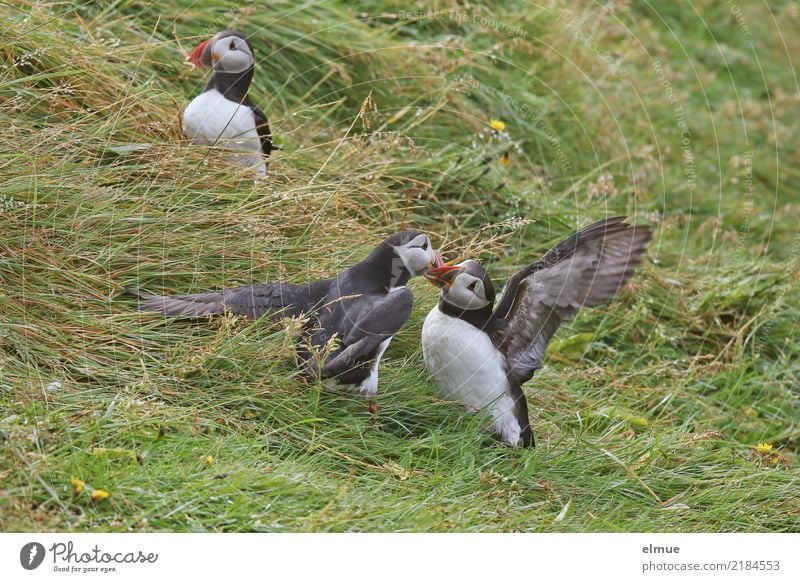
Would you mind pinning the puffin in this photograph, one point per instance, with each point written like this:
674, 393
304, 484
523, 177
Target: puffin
481, 354
223, 113
349, 320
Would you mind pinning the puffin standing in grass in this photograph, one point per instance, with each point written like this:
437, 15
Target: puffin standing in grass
349, 320
223, 114
481, 355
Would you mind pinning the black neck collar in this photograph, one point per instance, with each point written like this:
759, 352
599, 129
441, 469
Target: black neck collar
233, 86
480, 318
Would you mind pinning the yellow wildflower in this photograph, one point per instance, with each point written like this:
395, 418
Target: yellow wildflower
100, 494
764, 448
497, 125
77, 484
209, 460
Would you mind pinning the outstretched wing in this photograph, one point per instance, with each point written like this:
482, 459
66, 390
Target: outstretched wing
252, 301
583, 270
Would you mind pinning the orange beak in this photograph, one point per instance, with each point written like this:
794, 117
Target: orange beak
196, 56
443, 275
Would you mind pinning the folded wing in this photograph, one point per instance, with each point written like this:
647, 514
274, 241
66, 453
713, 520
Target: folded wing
264, 133
375, 321
584, 270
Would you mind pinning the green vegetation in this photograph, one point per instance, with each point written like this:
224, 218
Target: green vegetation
649, 412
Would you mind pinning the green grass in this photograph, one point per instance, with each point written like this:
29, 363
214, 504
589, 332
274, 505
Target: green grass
648, 413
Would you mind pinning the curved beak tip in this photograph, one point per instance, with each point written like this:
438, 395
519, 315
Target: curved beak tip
443, 275
196, 56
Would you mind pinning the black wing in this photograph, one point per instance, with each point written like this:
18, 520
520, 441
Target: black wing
262, 127
520, 409
585, 269
367, 326
252, 301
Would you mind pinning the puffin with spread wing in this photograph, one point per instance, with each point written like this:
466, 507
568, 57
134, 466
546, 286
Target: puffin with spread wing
481, 355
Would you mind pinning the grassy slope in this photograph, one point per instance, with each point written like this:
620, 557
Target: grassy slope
648, 412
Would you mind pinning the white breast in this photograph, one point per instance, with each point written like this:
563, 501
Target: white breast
466, 367
369, 386
211, 119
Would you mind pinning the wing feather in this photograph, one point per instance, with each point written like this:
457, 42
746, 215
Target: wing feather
375, 322
584, 270
252, 301
264, 132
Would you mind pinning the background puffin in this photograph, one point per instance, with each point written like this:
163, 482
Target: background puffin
481, 356
363, 308
223, 114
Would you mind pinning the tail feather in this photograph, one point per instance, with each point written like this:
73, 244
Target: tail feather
521, 412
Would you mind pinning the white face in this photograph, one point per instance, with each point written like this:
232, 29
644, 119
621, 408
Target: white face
417, 255
231, 54
466, 292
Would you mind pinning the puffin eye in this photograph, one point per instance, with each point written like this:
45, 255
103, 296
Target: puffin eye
233, 45
424, 246
472, 286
